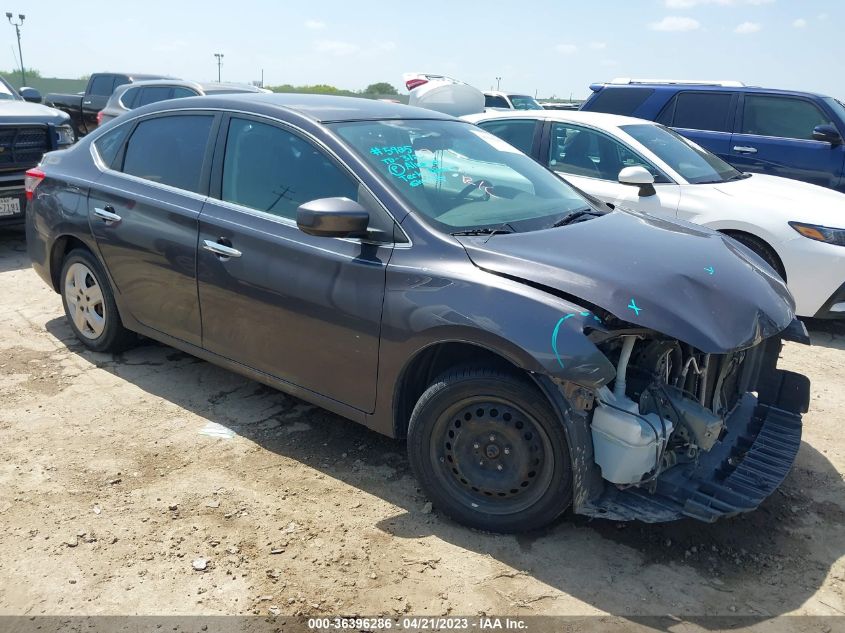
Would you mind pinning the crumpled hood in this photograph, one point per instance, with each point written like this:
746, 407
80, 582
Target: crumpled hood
676, 278
12, 112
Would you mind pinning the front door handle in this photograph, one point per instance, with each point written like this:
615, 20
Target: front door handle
221, 250
742, 149
107, 214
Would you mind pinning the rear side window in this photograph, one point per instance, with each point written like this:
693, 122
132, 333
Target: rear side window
130, 97
494, 101
169, 150
108, 145
152, 94
699, 111
102, 85
619, 100
271, 170
784, 117
517, 132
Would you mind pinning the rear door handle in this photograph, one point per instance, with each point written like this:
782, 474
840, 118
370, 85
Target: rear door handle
220, 250
742, 149
107, 214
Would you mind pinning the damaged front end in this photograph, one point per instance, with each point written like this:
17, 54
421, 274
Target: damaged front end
682, 433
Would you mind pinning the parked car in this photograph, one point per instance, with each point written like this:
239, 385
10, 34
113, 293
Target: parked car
130, 96
499, 100
796, 228
777, 132
27, 130
416, 274
83, 107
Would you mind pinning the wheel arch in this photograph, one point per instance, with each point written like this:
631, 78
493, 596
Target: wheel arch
436, 358
63, 245
733, 232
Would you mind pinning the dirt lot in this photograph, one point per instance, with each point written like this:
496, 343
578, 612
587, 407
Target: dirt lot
110, 492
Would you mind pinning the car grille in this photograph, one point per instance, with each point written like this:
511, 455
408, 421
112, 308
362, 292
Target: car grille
22, 147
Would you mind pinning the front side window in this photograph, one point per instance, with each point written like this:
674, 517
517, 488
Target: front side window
517, 132
153, 94
459, 177
783, 117
102, 85
272, 170
179, 92
169, 150
702, 111
581, 151
695, 164
524, 102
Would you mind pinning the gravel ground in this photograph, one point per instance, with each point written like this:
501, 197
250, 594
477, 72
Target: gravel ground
155, 483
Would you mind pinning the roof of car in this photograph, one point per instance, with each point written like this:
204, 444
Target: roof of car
598, 119
318, 108
205, 86
681, 87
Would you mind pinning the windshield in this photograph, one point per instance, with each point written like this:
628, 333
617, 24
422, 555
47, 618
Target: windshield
460, 177
524, 102
6, 93
836, 106
696, 165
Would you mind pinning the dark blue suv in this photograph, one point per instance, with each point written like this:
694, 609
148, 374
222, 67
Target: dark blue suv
779, 132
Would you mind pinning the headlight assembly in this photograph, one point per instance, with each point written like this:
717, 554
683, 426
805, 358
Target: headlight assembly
65, 135
820, 233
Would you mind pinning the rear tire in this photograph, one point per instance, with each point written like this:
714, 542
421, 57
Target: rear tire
490, 452
89, 304
763, 250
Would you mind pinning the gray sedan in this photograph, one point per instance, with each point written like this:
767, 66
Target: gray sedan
130, 96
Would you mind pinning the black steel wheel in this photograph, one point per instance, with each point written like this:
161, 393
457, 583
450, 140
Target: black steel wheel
490, 452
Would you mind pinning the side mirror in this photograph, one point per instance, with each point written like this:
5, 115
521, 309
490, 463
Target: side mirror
827, 133
30, 94
638, 176
332, 217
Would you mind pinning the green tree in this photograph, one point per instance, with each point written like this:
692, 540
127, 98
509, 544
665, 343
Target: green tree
30, 72
380, 88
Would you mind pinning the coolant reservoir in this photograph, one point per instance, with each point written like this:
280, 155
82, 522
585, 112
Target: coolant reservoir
626, 447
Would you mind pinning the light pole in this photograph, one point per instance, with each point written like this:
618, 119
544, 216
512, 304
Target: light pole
17, 26
498, 81
219, 57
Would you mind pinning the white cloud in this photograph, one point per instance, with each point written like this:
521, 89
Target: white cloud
747, 28
335, 47
598, 46
800, 23
609, 62
566, 49
823, 17
675, 23
314, 25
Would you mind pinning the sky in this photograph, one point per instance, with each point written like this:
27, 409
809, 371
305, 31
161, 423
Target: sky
536, 47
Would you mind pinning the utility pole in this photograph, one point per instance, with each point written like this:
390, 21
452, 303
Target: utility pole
219, 57
17, 26
498, 81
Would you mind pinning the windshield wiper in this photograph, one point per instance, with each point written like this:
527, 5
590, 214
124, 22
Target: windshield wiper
483, 231
571, 215
739, 176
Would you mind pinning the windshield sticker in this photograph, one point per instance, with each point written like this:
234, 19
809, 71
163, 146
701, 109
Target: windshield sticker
495, 142
403, 163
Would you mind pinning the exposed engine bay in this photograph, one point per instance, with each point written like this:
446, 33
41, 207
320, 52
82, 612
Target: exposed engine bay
671, 404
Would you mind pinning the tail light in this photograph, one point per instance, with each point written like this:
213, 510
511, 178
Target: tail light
100, 117
415, 83
33, 178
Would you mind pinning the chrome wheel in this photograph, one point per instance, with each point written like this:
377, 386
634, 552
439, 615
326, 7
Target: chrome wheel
84, 298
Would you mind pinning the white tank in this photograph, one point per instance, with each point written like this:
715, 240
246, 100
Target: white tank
627, 447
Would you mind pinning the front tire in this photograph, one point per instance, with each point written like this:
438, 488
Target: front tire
89, 304
489, 451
